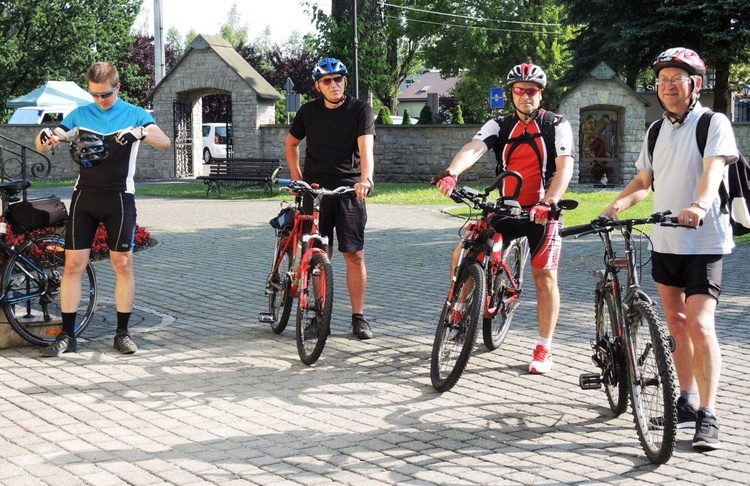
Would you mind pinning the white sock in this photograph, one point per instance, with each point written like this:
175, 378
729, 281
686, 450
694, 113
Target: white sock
547, 343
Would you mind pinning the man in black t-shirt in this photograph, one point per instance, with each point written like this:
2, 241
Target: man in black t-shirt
340, 133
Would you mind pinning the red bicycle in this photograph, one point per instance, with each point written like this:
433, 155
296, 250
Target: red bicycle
302, 270
486, 284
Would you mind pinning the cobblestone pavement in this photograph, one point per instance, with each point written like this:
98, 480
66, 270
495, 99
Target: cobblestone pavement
214, 397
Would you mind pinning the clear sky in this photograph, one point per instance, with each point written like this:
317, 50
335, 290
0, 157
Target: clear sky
206, 16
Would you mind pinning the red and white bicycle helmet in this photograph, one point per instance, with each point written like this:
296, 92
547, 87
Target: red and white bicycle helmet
528, 72
679, 57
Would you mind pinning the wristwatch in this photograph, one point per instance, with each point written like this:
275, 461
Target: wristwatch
144, 133
701, 204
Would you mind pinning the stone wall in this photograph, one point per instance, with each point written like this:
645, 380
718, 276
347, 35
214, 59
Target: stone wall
403, 153
409, 153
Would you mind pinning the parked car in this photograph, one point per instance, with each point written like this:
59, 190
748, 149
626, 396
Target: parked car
214, 141
39, 115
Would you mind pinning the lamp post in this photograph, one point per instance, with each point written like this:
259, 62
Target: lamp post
355, 48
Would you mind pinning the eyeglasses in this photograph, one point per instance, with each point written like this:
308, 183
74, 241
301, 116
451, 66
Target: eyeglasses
335, 79
104, 95
519, 91
679, 79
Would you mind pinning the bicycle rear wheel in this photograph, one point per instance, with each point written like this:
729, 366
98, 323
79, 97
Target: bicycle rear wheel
609, 354
31, 285
278, 289
456, 331
652, 391
314, 320
506, 296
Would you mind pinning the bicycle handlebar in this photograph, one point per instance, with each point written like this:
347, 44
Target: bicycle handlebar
299, 185
604, 224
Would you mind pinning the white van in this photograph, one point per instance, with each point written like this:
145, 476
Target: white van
40, 115
214, 141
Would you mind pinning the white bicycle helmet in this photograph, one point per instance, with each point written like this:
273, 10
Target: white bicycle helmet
528, 72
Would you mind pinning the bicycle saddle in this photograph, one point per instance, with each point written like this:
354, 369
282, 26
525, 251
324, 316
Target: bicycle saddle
11, 188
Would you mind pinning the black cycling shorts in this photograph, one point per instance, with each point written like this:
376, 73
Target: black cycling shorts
88, 208
697, 274
348, 215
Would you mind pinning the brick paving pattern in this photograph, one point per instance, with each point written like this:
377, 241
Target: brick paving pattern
214, 397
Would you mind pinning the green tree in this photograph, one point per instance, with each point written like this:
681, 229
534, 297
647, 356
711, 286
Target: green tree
44, 40
426, 116
233, 30
458, 116
387, 46
406, 120
482, 41
627, 39
384, 117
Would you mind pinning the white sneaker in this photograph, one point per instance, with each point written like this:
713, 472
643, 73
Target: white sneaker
542, 362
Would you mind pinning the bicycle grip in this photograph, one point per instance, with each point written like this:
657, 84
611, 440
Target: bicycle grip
575, 230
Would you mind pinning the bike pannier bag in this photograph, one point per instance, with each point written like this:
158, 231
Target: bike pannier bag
38, 213
284, 220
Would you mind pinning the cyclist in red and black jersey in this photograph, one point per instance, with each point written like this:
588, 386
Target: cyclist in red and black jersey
524, 151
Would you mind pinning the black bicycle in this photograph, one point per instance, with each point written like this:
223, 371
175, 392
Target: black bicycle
632, 349
32, 268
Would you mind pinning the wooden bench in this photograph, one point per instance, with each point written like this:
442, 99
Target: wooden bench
241, 173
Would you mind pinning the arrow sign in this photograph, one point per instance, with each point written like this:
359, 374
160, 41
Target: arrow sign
289, 85
497, 99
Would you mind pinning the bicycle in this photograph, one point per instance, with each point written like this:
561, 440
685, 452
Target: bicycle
487, 282
632, 348
302, 270
32, 267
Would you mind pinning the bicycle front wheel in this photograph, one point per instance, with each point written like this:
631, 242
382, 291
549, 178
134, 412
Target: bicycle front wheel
279, 298
456, 332
506, 296
314, 320
652, 383
31, 285
610, 354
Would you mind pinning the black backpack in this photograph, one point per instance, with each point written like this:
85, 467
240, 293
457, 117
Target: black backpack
547, 129
735, 199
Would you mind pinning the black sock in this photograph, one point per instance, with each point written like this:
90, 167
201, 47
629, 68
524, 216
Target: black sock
122, 321
69, 323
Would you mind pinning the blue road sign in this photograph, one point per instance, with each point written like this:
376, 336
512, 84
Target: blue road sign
496, 98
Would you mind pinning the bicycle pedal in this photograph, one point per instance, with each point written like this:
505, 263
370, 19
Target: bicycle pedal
265, 317
590, 381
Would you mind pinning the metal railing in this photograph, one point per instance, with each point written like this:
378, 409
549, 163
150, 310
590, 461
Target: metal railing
15, 162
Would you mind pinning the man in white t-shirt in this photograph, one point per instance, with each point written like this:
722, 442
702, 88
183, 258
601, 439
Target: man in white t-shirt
687, 263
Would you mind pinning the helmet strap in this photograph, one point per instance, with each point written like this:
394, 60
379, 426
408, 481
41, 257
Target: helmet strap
527, 116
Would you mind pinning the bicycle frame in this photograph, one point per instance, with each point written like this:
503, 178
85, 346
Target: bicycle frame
483, 245
302, 248
609, 279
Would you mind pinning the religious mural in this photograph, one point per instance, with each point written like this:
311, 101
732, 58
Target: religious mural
598, 140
